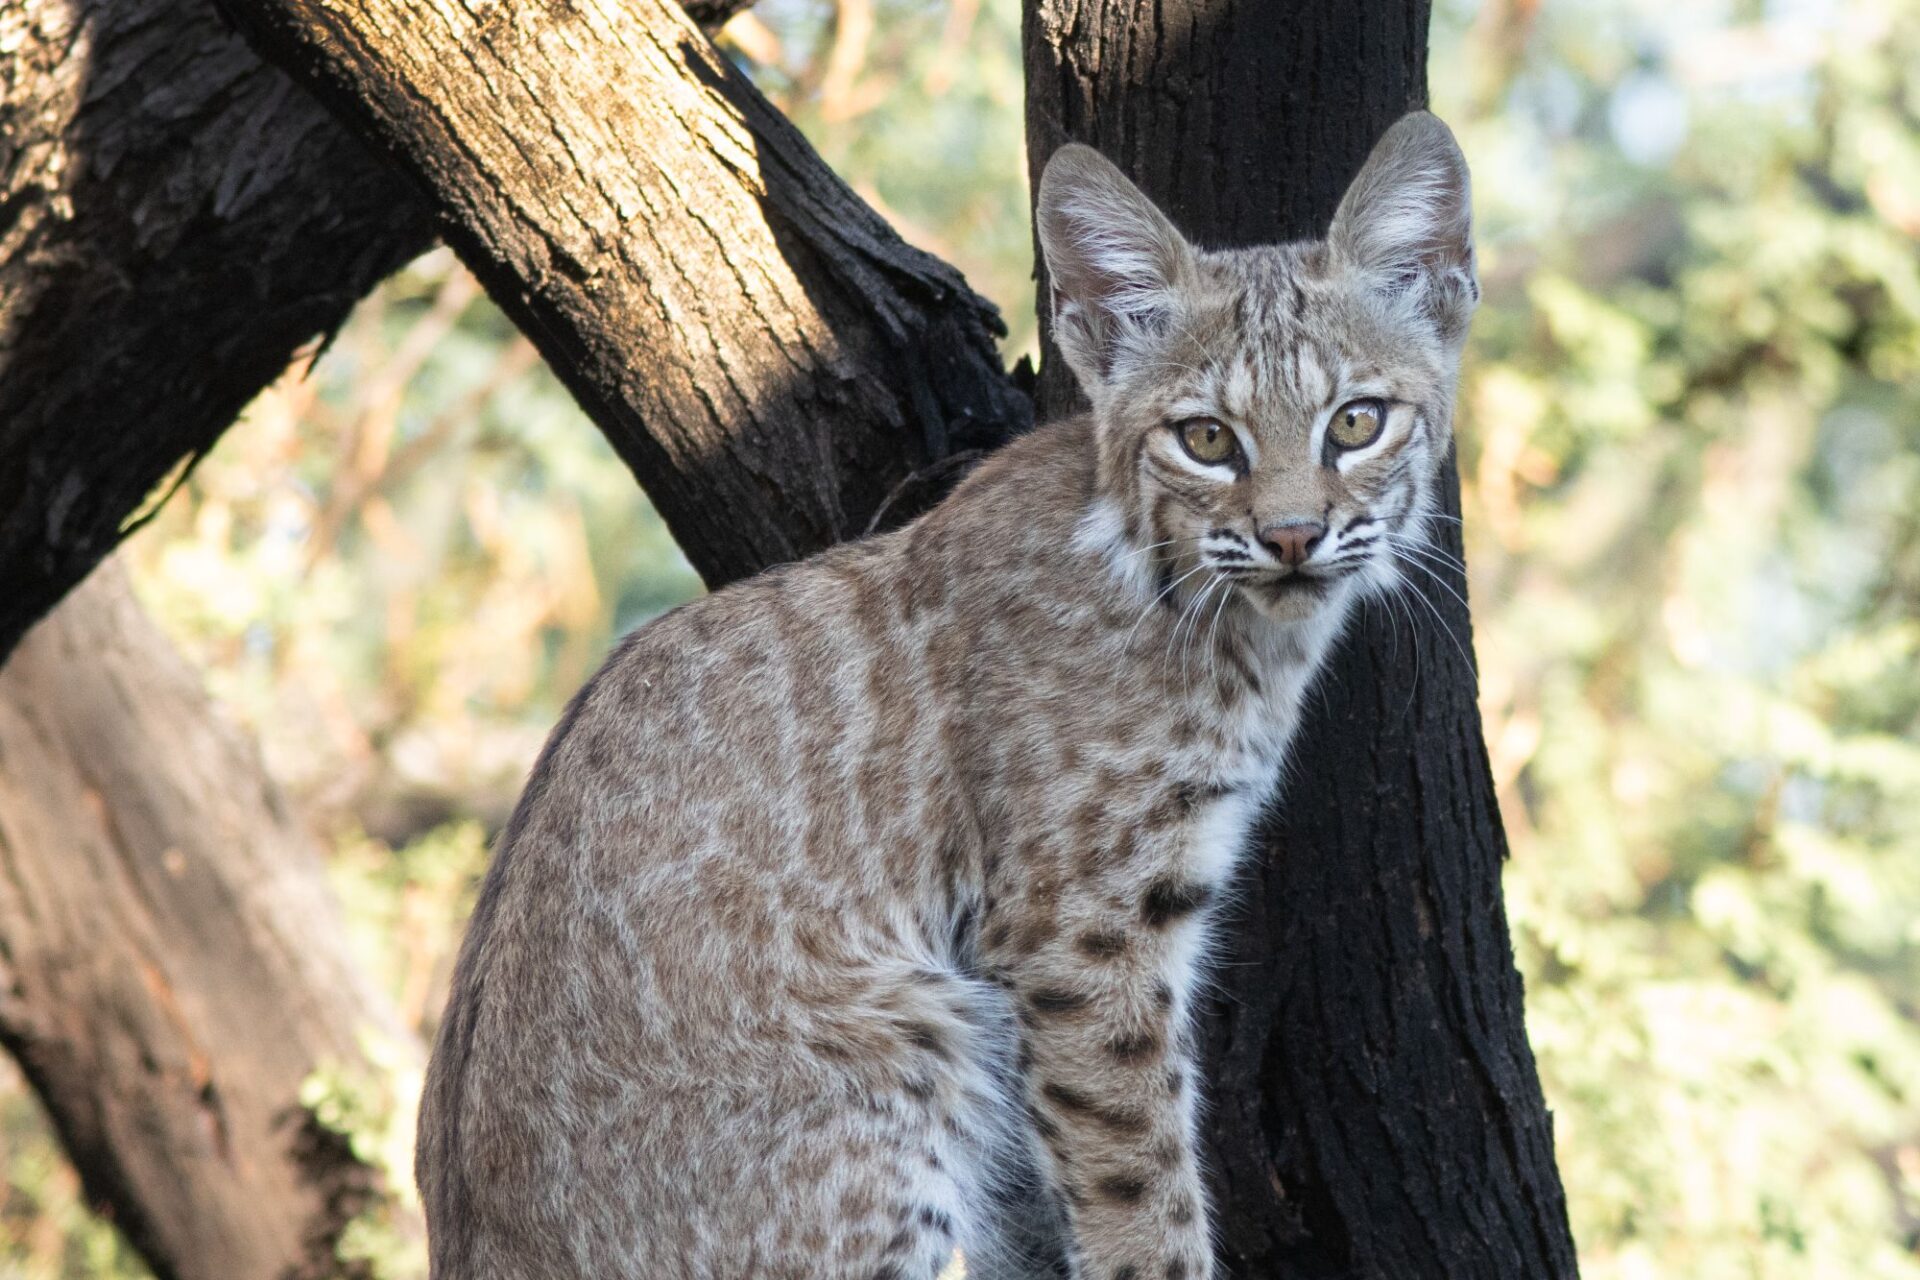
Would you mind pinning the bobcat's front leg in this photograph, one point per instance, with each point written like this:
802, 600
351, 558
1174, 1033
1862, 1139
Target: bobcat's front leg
1104, 1003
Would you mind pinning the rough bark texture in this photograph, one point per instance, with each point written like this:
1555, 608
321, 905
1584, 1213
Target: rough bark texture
176, 220
170, 958
769, 358
1376, 1109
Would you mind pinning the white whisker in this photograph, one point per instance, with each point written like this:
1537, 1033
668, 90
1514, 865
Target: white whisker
1429, 571
1154, 603
1400, 587
1213, 631
1432, 552
1190, 611
1434, 610
1155, 546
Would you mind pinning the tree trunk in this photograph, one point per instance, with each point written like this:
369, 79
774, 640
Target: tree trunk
770, 359
171, 963
176, 220
1375, 1107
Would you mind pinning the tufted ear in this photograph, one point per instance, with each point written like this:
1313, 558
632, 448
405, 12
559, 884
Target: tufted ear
1407, 221
1115, 261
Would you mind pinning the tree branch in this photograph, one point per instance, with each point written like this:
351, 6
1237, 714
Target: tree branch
176, 221
760, 347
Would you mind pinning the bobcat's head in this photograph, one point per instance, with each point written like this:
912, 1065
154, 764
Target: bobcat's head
1270, 421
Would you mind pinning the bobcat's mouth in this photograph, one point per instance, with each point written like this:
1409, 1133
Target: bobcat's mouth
1291, 595
1282, 592
1295, 585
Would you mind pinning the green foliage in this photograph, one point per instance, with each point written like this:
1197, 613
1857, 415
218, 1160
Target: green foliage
407, 908
372, 1106
1693, 461
1690, 443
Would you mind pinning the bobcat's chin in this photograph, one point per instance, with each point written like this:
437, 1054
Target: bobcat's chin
1297, 597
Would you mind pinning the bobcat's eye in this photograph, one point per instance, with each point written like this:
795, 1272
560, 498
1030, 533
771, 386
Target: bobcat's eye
1357, 424
1208, 441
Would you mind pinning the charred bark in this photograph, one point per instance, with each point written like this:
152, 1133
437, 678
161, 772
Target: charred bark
767, 355
171, 963
1376, 1111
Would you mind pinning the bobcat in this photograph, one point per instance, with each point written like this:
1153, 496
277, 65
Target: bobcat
853, 916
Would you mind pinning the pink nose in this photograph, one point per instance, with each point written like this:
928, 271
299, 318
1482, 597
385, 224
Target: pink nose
1292, 540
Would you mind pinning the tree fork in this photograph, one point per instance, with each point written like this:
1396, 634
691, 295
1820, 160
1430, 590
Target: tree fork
1375, 1109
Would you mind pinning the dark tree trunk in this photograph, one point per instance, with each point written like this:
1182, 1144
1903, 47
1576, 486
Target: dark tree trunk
1376, 1112
176, 220
172, 968
773, 362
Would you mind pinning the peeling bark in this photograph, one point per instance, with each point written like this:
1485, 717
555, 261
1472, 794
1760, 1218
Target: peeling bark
1376, 1112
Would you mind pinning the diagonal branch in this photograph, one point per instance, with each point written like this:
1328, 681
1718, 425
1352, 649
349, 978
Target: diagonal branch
176, 221
760, 347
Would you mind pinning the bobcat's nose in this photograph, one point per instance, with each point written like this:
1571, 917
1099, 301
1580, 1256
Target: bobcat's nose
1292, 540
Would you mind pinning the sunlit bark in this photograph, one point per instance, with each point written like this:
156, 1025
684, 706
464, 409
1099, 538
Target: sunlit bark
172, 967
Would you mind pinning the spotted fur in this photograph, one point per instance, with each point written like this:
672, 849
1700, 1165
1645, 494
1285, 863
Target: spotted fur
855, 915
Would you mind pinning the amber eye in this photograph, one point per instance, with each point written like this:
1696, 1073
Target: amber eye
1208, 441
1357, 424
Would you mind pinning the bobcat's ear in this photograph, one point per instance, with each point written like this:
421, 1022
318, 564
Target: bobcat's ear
1407, 221
1115, 262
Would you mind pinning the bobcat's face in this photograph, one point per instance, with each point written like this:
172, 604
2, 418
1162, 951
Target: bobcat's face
1284, 434
1272, 420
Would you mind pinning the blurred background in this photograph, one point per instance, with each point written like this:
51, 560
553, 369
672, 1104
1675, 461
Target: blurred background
1690, 446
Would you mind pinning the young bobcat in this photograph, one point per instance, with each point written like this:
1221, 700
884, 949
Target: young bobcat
855, 915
